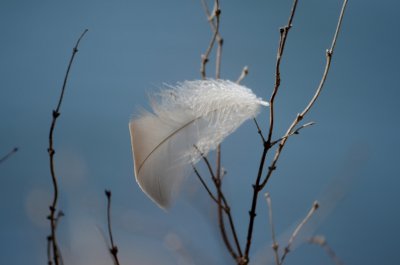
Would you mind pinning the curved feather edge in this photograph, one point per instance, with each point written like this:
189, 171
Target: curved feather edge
199, 114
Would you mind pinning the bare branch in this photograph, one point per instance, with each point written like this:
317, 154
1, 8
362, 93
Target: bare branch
205, 159
221, 203
295, 132
256, 187
204, 184
284, 31
205, 56
297, 230
113, 248
300, 116
55, 114
8, 155
275, 245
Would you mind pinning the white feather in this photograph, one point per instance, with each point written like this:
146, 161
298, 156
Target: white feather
193, 114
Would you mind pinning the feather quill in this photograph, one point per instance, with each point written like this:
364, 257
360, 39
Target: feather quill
189, 119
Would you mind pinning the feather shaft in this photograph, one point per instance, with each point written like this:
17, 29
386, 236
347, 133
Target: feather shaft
192, 114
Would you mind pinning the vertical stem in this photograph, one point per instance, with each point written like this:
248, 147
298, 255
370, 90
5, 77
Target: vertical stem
55, 114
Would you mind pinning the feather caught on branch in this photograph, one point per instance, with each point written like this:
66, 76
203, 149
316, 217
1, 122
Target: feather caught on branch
189, 120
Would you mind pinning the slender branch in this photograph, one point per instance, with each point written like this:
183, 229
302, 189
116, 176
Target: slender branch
252, 212
284, 31
113, 248
222, 207
204, 184
267, 144
227, 210
205, 56
8, 155
275, 245
259, 131
257, 187
205, 159
243, 74
329, 54
321, 241
55, 114
295, 132
221, 220
297, 230
300, 116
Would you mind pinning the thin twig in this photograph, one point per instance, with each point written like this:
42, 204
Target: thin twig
295, 132
259, 131
204, 184
321, 241
113, 248
55, 114
243, 74
211, 171
284, 31
221, 222
297, 230
223, 206
256, 187
300, 116
227, 210
275, 245
8, 155
205, 56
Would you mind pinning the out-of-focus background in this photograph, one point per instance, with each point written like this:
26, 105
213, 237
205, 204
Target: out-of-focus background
348, 160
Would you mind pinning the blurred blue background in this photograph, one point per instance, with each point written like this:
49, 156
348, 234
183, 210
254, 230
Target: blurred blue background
348, 160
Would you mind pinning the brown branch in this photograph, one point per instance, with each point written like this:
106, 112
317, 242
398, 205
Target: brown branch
55, 114
295, 132
267, 144
300, 116
8, 155
259, 131
284, 31
275, 245
321, 241
223, 206
258, 186
204, 184
297, 230
113, 248
227, 210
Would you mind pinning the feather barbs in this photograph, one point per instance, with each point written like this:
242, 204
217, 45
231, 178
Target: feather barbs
189, 120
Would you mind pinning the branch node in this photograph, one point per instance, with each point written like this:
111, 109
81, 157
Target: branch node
55, 114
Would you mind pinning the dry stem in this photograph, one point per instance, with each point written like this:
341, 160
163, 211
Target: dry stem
52, 239
297, 230
113, 248
258, 186
267, 144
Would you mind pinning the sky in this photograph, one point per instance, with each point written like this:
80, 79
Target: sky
347, 161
